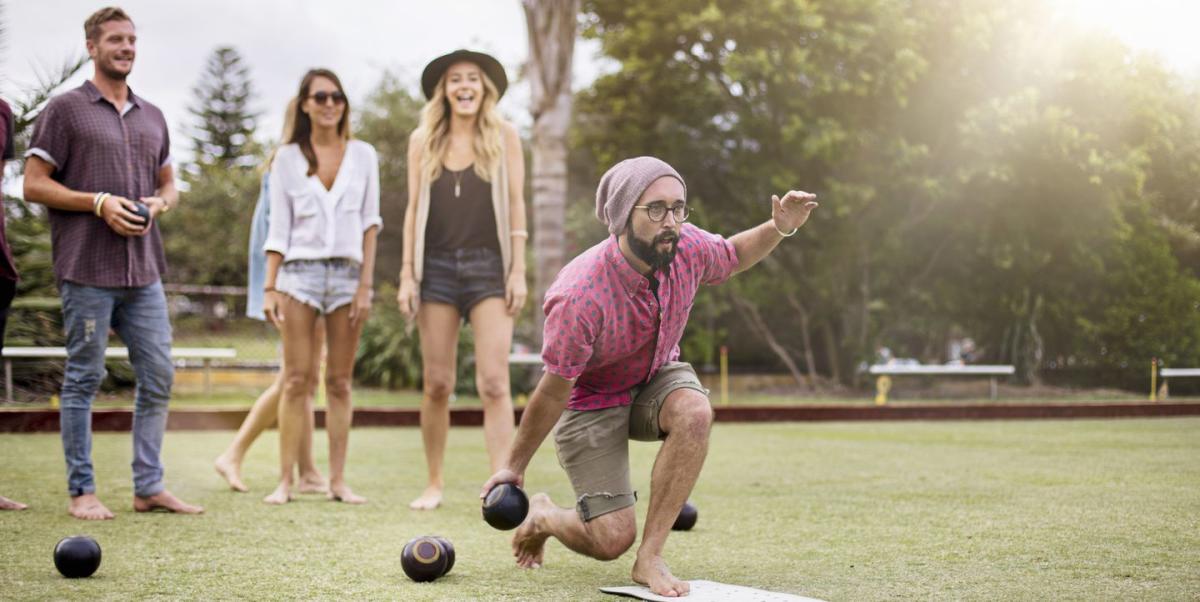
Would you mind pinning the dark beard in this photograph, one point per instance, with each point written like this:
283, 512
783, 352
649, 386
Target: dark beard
648, 251
110, 73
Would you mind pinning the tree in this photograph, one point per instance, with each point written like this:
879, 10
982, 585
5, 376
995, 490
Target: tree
389, 114
1007, 194
206, 240
551, 28
224, 131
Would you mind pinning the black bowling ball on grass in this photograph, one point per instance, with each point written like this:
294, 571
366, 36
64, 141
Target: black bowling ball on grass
505, 506
77, 557
424, 559
686, 519
448, 548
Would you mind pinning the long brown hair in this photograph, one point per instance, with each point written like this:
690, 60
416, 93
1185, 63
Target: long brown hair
434, 131
301, 134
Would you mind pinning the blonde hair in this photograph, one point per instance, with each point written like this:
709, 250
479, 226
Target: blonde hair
289, 116
434, 132
91, 27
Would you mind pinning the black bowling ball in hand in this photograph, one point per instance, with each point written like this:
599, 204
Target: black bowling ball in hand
77, 556
686, 519
143, 212
505, 506
424, 559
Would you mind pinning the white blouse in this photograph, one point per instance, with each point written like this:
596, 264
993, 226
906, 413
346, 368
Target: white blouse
310, 222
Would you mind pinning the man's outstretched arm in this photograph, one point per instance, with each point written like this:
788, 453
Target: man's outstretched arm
787, 214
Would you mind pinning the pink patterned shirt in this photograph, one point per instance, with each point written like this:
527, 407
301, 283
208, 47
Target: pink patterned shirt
605, 325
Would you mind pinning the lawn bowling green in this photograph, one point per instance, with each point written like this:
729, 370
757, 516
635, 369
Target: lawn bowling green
998, 510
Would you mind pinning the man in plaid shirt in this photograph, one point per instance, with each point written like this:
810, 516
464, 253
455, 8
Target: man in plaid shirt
97, 152
614, 318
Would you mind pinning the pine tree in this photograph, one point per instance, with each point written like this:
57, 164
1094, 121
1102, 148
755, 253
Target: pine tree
224, 134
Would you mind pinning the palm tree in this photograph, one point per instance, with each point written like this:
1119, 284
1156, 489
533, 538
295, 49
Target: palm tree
551, 27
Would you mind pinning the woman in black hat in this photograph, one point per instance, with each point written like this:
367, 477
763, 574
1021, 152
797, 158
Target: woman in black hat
464, 247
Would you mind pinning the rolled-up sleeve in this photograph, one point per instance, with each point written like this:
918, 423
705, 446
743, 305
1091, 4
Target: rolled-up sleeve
370, 206
572, 325
51, 141
279, 231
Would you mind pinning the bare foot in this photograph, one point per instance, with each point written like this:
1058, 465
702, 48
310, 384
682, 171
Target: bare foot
231, 471
653, 572
165, 501
279, 497
342, 493
529, 542
7, 504
313, 483
429, 500
88, 507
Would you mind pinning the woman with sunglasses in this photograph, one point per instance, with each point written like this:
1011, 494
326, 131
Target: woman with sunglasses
265, 411
464, 248
324, 193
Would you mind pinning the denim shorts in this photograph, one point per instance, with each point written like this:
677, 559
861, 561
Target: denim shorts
462, 278
323, 284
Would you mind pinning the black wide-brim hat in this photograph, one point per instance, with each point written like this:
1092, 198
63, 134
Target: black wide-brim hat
437, 68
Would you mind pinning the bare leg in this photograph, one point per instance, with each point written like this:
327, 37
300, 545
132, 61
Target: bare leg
262, 416
7, 504
339, 370
88, 507
604, 538
311, 480
493, 341
298, 379
686, 417
438, 323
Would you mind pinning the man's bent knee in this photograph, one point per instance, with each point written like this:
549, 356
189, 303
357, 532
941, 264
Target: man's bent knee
689, 413
612, 534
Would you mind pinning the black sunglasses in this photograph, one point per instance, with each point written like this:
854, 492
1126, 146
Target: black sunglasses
324, 97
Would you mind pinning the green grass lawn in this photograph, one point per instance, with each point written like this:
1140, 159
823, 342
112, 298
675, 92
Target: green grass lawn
1060, 510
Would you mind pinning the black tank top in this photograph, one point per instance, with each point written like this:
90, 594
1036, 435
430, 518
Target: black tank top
463, 221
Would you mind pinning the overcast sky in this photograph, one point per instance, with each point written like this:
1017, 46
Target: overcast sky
358, 39
279, 40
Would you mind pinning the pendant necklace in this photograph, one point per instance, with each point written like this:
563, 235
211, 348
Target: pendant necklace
458, 182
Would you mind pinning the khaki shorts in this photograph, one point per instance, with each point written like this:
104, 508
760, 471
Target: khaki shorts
593, 445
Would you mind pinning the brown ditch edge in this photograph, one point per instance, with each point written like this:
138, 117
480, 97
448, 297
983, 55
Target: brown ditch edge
43, 420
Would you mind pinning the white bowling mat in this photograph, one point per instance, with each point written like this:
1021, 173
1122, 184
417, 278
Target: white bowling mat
709, 591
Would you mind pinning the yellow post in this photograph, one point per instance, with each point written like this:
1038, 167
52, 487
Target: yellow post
724, 375
1153, 379
54, 401
882, 385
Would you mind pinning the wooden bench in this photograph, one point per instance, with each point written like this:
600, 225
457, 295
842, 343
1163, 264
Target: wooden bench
205, 354
992, 371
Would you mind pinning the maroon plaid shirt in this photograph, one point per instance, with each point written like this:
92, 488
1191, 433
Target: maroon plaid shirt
8, 268
94, 148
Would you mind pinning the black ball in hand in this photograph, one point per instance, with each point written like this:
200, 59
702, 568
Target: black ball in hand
424, 559
77, 556
143, 212
505, 506
686, 519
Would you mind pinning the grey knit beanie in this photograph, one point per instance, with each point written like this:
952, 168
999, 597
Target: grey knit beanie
622, 186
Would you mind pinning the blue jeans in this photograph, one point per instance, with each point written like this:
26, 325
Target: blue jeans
139, 315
